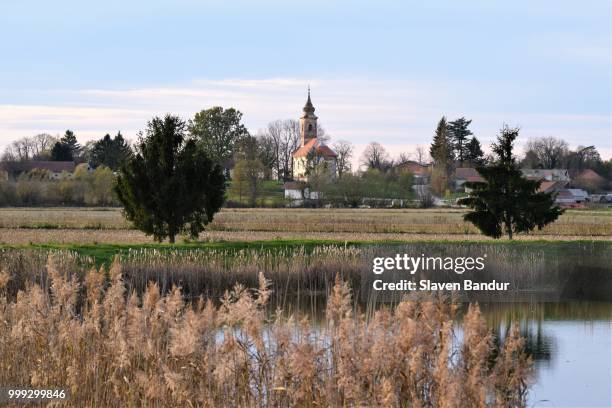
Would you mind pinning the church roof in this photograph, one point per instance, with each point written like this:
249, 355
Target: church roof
321, 149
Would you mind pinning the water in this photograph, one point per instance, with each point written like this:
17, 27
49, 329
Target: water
571, 344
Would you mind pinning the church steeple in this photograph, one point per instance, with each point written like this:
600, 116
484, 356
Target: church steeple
308, 108
308, 122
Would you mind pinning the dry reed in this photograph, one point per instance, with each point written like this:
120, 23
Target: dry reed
120, 349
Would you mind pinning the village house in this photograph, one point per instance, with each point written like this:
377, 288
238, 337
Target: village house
589, 180
547, 174
56, 169
420, 172
466, 174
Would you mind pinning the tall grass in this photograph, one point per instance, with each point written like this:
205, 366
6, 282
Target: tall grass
111, 347
566, 269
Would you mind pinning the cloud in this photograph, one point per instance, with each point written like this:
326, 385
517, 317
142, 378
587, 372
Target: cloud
397, 113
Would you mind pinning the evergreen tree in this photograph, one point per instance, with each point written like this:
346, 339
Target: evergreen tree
67, 148
506, 202
110, 152
475, 155
61, 152
170, 185
459, 134
441, 151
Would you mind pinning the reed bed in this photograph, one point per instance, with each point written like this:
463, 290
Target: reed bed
300, 271
109, 346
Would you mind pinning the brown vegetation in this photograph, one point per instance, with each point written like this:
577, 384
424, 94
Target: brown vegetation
111, 348
21, 226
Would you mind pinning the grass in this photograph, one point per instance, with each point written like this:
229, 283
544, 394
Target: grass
271, 194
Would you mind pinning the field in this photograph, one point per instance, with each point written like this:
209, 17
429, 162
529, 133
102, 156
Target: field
21, 226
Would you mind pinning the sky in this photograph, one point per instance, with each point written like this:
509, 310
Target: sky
382, 71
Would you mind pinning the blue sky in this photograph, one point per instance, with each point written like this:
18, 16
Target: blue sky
380, 71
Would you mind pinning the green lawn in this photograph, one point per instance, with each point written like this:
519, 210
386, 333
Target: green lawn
271, 194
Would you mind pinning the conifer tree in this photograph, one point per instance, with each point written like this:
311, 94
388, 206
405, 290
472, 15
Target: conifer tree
170, 185
475, 155
506, 202
441, 151
459, 134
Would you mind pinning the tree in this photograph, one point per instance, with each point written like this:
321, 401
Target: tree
376, 157
475, 155
459, 133
549, 151
506, 202
285, 137
37, 147
61, 152
109, 152
441, 151
247, 178
170, 185
420, 155
268, 154
67, 148
344, 151
218, 131
69, 139
583, 158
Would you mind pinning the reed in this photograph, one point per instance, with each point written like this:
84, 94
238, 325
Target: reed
117, 348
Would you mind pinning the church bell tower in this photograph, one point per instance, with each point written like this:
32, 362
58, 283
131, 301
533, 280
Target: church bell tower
308, 122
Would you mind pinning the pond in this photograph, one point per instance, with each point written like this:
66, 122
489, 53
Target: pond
571, 345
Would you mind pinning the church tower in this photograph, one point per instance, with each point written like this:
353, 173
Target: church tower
308, 123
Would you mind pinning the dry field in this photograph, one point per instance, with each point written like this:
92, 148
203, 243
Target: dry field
76, 225
109, 347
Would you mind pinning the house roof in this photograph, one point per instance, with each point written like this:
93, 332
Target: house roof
415, 168
320, 149
53, 166
548, 186
590, 175
577, 192
468, 174
538, 174
294, 185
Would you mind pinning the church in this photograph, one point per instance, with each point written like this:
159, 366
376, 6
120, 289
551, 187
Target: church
311, 151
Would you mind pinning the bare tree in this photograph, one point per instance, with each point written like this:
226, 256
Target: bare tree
375, 157
42, 145
284, 137
421, 156
549, 151
322, 135
37, 147
403, 158
268, 154
344, 150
